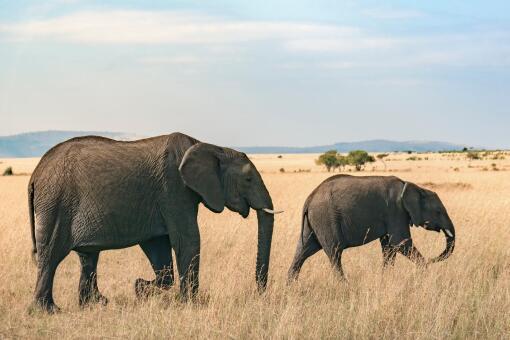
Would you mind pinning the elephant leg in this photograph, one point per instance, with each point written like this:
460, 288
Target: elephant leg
159, 252
409, 250
303, 251
49, 257
328, 232
389, 251
335, 257
188, 264
185, 235
88, 291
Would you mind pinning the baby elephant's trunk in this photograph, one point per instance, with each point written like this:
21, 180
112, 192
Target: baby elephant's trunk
450, 245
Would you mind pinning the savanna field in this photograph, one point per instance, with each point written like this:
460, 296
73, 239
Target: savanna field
467, 296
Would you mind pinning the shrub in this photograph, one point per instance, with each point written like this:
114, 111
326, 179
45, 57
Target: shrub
472, 155
282, 170
280, 156
332, 160
328, 159
342, 161
358, 158
8, 171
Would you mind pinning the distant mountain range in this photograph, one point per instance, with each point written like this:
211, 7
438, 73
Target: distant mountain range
376, 145
35, 144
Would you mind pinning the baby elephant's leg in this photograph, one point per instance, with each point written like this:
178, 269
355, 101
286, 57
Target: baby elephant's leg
306, 247
407, 249
389, 251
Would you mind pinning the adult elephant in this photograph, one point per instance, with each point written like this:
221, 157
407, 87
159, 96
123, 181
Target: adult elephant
91, 193
349, 211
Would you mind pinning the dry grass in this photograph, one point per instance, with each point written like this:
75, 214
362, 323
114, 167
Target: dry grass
467, 296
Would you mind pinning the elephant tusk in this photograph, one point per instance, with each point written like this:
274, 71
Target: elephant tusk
273, 212
447, 232
403, 191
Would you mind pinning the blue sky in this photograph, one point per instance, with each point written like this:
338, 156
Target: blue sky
259, 72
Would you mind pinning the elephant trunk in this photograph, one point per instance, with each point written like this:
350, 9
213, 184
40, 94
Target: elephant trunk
265, 235
450, 245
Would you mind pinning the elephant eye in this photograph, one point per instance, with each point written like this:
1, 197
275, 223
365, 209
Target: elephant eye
248, 179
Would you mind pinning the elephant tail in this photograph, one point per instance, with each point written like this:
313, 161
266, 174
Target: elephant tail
32, 219
304, 220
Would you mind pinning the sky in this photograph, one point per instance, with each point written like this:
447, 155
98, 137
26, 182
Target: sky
240, 72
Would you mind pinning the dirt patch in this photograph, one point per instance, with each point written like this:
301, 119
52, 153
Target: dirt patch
447, 186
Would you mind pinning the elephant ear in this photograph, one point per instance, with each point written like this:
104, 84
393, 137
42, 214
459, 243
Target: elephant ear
412, 196
200, 171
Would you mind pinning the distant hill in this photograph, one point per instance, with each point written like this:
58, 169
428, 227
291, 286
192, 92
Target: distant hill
35, 144
376, 145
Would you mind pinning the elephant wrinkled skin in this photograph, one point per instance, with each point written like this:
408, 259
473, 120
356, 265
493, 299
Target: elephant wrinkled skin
90, 194
349, 211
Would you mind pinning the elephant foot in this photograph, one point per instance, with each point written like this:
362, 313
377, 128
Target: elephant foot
95, 298
144, 288
44, 305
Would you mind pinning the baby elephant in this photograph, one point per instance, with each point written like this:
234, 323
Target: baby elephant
348, 211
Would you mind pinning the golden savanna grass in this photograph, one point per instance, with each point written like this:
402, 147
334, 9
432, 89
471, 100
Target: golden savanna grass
467, 296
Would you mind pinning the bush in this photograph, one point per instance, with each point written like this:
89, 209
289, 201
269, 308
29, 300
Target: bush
8, 171
342, 161
472, 155
329, 160
282, 170
280, 156
358, 158
332, 160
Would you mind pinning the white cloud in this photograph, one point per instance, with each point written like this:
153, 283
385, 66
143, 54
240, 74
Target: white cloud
147, 27
331, 46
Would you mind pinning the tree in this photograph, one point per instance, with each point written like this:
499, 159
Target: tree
342, 161
328, 159
358, 158
381, 157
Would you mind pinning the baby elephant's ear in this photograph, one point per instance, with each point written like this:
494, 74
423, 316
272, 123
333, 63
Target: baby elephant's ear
412, 197
200, 171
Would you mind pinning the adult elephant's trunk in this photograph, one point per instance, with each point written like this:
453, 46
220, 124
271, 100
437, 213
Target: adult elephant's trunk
450, 244
266, 222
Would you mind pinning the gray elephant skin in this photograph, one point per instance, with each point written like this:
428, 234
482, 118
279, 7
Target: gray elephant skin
349, 211
90, 194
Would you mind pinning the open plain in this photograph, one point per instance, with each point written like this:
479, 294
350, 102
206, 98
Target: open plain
467, 296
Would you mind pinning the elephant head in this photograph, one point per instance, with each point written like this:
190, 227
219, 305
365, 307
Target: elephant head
225, 177
425, 209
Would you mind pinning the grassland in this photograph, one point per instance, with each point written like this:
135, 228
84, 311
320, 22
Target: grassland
468, 296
